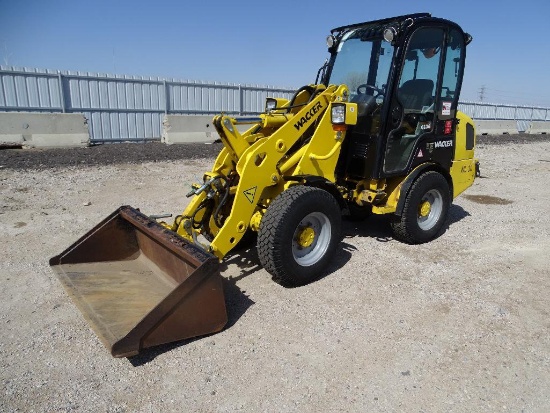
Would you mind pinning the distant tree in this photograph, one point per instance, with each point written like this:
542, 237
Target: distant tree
354, 79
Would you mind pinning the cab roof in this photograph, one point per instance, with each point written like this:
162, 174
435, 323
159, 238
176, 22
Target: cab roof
397, 19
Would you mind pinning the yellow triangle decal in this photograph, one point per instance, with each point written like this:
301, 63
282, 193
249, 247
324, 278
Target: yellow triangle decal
250, 193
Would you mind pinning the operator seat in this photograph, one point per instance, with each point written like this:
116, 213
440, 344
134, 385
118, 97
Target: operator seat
416, 94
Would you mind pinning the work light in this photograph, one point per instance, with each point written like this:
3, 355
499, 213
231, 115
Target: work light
338, 113
270, 104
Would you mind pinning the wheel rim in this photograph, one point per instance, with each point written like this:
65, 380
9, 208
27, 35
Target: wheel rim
430, 209
311, 239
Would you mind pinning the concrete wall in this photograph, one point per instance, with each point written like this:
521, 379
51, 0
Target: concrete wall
496, 127
191, 128
43, 130
539, 128
187, 129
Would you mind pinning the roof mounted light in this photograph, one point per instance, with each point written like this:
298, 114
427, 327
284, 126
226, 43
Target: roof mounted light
331, 41
390, 34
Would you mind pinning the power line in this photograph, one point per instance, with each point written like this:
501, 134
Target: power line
514, 94
488, 93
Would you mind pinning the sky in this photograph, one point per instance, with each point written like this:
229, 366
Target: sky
275, 43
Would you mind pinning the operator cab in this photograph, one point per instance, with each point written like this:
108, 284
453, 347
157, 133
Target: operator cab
405, 74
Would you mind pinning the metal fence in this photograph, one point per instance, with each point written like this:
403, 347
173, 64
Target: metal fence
121, 108
524, 115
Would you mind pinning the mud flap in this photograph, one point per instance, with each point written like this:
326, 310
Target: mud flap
140, 285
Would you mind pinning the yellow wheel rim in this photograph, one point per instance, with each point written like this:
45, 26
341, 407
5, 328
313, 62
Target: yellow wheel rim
425, 209
306, 237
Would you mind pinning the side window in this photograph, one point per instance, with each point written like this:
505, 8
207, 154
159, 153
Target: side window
420, 70
452, 72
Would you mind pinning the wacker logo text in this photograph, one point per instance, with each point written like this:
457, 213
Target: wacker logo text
443, 144
306, 118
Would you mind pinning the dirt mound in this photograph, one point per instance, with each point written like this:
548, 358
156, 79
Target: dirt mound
109, 154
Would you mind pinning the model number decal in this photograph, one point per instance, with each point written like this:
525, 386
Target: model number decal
307, 117
443, 144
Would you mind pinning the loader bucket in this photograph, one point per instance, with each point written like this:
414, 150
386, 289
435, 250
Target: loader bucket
140, 285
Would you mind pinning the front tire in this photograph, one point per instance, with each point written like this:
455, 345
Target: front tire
299, 234
425, 210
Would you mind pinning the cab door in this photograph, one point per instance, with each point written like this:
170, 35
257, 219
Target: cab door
415, 101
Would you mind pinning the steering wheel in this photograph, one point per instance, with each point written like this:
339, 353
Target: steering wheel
366, 86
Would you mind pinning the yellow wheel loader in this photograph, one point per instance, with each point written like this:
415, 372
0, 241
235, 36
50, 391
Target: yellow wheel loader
377, 133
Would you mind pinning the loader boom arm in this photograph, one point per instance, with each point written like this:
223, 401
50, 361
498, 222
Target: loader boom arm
259, 163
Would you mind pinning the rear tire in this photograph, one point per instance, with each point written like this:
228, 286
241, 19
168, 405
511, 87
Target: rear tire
425, 211
299, 234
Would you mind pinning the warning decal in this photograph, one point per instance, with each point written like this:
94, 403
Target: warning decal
420, 154
446, 109
250, 193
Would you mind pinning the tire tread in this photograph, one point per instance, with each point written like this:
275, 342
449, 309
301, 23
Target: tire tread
404, 226
270, 241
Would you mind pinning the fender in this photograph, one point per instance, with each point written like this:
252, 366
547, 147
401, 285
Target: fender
322, 183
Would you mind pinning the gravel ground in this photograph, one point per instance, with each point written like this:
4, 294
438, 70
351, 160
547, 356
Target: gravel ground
457, 325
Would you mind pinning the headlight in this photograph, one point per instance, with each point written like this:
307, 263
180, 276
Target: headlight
338, 113
270, 104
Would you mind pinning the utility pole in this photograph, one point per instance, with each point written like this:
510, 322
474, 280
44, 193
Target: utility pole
482, 93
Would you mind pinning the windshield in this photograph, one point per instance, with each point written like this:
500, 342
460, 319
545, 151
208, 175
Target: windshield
362, 61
